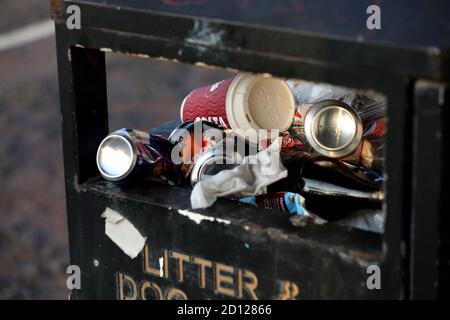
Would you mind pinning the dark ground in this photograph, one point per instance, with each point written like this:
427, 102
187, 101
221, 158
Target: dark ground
34, 252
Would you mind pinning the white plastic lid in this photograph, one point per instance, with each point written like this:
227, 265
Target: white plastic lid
258, 102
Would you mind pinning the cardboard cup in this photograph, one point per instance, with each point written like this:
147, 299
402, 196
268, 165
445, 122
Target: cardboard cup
246, 103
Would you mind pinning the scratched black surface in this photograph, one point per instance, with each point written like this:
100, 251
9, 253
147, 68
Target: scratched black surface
409, 23
309, 255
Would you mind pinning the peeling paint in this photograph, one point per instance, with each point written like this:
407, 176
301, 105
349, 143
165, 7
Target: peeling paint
205, 34
76, 185
198, 218
161, 267
299, 221
348, 256
273, 232
302, 221
232, 70
166, 59
200, 64
370, 257
213, 67
319, 221
139, 55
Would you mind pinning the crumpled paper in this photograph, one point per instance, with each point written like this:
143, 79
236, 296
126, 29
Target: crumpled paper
247, 179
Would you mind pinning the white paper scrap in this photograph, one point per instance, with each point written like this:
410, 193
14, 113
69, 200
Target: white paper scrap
123, 233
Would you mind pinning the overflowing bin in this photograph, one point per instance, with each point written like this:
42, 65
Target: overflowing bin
353, 210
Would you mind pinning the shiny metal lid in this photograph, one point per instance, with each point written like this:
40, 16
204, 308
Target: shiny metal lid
116, 156
210, 163
333, 128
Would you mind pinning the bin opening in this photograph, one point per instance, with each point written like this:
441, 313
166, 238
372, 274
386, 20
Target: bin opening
308, 150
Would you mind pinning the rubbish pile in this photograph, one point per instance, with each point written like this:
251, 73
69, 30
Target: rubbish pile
309, 149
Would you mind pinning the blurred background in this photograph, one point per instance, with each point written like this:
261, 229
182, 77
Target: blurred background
34, 251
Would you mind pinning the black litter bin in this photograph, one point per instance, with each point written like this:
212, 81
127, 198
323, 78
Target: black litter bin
235, 251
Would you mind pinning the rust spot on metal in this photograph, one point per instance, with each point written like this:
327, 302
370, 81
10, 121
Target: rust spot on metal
364, 255
55, 9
